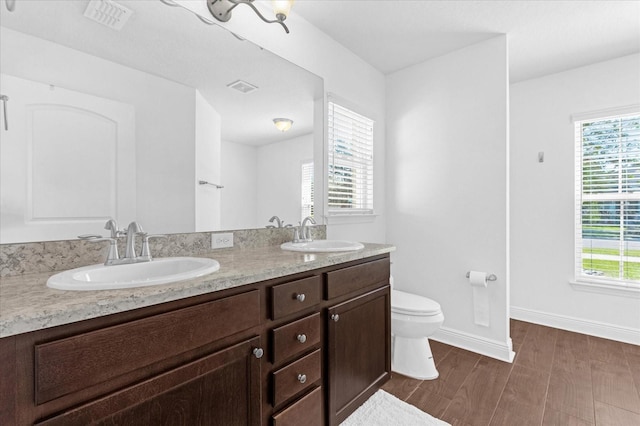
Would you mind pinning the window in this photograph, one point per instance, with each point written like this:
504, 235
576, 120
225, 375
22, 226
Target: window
307, 190
350, 174
608, 198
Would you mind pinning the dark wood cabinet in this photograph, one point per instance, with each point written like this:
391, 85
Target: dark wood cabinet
306, 411
69, 365
219, 389
199, 360
358, 351
187, 362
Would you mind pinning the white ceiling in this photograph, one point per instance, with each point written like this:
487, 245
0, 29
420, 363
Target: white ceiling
544, 36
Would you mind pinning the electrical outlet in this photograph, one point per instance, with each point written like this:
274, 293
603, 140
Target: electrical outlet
222, 240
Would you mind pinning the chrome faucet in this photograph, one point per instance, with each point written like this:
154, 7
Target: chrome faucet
130, 251
304, 234
130, 256
278, 221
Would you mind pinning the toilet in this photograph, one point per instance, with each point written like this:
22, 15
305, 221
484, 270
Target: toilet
413, 319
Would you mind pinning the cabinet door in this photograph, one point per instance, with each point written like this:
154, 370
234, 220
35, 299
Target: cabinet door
219, 389
359, 356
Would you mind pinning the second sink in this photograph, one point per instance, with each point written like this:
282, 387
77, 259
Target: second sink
323, 246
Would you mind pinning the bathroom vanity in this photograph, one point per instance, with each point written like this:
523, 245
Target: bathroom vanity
304, 339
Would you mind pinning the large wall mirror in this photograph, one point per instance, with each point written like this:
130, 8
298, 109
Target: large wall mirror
125, 123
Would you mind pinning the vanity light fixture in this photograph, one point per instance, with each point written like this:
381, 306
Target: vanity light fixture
11, 5
221, 10
283, 124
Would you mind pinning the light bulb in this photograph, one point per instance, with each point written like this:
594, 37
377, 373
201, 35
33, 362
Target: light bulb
281, 8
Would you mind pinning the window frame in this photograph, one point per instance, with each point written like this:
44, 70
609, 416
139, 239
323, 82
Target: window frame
581, 281
346, 215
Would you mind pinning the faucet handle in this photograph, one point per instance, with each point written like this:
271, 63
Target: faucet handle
145, 254
113, 255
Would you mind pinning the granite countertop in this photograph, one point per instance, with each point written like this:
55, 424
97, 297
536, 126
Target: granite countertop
27, 304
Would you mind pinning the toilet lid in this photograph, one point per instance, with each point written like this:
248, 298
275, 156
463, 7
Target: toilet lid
412, 304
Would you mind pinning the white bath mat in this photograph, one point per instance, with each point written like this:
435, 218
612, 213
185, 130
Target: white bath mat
384, 409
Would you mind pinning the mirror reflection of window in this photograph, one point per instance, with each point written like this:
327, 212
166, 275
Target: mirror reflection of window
307, 190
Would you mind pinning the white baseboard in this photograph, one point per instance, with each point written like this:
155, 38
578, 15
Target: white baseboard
488, 347
592, 328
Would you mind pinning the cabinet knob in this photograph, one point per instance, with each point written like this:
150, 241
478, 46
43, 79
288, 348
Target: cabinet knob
302, 378
302, 338
258, 352
300, 297
335, 317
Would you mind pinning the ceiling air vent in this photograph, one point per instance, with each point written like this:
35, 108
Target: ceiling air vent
242, 86
108, 13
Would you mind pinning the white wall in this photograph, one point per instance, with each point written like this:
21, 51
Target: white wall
542, 198
239, 177
279, 179
207, 165
164, 121
260, 178
344, 74
447, 161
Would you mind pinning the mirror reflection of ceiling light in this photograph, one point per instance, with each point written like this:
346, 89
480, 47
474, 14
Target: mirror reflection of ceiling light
283, 124
221, 10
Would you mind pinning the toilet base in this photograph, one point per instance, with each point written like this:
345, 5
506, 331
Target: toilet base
412, 357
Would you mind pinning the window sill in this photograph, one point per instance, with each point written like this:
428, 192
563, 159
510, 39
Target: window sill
607, 287
339, 219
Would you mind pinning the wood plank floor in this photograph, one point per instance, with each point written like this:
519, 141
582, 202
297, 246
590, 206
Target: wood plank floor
558, 378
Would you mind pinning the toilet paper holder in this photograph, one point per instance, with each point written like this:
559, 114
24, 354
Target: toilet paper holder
490, 277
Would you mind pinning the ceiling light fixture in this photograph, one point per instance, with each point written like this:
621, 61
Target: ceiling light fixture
283, 124
221, 10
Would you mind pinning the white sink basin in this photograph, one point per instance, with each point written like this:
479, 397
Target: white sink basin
158, 271
323, 246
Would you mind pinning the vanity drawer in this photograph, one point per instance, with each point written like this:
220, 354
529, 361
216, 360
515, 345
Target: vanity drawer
296, 377
295, 296
347, 280
75, 363
295, 337
307, 411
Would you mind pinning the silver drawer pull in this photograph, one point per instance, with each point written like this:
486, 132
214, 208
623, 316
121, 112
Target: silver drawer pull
258, 352
302, 338
300, 297
302, 378
335, 317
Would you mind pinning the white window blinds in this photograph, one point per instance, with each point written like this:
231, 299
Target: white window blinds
307, 190
350, 162
608, 198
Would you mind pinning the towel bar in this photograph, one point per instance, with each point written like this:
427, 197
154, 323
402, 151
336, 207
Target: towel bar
204, 182
490, 277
